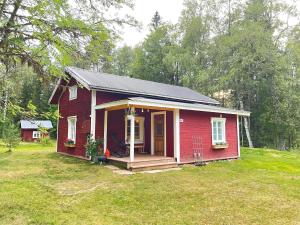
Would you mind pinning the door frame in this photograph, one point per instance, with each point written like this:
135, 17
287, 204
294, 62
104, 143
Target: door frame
165, 131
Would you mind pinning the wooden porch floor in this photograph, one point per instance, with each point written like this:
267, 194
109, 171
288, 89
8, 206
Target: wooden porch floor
144, 162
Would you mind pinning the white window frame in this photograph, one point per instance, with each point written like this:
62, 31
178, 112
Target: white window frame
142, 129
36, 134
72, 92
218, 119
72, 118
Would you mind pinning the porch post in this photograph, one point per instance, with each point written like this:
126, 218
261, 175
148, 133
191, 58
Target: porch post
105, 131
93, 115
176, 126
132, 130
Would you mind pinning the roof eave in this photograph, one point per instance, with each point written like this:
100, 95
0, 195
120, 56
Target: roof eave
145, 103
78, 78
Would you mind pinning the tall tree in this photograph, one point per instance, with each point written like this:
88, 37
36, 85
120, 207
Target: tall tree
150, 63
48, 34
156, 21
122, 61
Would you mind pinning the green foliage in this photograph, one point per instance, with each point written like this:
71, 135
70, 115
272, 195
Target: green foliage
156, 21
11, 136
239, 53
45, 141
151, 63
94, 147
48, 35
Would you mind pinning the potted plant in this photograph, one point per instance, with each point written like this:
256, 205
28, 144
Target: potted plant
69, 143
94, 150
220, 145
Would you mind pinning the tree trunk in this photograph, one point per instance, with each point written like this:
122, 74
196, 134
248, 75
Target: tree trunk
246, 125
5, 105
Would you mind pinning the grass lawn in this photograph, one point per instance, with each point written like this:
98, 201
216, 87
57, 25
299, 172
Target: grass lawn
38, 186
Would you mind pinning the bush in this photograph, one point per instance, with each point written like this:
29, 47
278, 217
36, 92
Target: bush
45, 141
11, 136
93, 147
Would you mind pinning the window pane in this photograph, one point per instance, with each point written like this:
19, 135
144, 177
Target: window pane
218, 130
220, 136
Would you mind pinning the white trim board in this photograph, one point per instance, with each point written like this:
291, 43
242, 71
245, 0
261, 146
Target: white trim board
93, 115
176, 127
218, 119
238, 135
143, 102
165, 131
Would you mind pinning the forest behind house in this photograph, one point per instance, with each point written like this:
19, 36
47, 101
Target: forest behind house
245, 54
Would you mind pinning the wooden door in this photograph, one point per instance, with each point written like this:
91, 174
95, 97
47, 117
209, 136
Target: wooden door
159, 134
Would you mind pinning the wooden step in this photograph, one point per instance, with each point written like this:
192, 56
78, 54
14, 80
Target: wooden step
151, 161
153, 166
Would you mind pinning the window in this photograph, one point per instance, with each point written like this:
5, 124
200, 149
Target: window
72, 92
138, 129
218, 130
72, 128
36, 134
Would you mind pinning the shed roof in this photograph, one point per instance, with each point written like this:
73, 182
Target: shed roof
123, 84
35, 124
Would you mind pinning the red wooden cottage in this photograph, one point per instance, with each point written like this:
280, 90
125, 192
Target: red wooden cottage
31, 129
162, 125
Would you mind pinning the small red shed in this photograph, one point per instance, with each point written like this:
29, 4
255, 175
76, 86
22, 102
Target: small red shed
142, 121
31, 129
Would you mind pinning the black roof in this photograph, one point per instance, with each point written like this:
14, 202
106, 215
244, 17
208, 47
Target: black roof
128, 85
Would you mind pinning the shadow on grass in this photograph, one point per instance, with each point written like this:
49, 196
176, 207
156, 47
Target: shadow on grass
5, 153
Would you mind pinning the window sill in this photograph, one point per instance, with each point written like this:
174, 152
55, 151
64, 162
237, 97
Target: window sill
220, 146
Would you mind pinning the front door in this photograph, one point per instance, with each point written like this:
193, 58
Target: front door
159, 134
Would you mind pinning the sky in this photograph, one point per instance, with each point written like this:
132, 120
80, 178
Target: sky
144, 10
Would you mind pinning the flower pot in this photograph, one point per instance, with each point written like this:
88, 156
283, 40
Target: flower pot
99, 159
69, 145
102, 159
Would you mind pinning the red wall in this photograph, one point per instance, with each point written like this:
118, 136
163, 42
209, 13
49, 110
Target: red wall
26, 135
170, 134
80, 107
103, 97
199, 123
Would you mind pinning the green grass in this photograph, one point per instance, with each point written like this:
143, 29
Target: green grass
38, 186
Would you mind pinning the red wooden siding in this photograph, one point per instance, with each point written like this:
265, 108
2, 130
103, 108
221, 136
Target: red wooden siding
104, 97
80, 107
199, 123
26, 135
170, 134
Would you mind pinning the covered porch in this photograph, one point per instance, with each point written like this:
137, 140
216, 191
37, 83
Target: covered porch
139, 135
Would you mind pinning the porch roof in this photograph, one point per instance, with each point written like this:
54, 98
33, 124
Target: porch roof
168, 105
